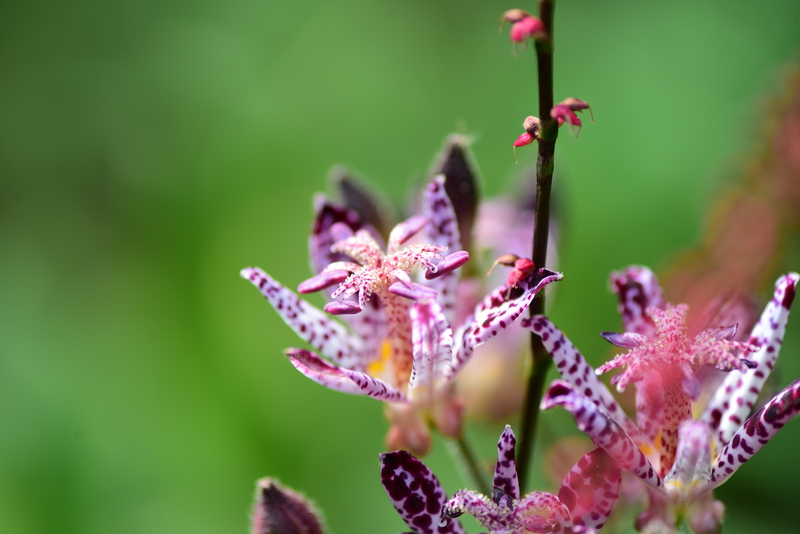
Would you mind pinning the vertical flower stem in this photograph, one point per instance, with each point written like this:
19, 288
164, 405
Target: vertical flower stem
464, 452
544, 178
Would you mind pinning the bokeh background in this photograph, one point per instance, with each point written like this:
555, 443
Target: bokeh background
150, 150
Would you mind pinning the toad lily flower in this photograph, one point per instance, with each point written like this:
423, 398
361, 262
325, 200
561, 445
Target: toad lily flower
679, 458
401, 349
583, 503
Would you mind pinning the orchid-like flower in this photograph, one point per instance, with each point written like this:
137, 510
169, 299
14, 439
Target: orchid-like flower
401, 348
583, 503
680, 459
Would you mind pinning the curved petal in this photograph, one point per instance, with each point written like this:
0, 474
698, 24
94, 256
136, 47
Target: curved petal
574, 369
415, 493
505, 473
737, 395
442, 231
637, 289
591, 489
603, 431
499, 309
341, 379
756, 432
433, 348
311, 324
692, 467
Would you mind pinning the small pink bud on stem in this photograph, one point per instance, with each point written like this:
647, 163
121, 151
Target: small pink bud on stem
524, 26
532, 126
565, 110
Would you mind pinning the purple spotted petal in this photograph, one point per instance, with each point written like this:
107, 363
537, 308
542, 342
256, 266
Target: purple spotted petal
637, 289
603, 431
341, 379
756, 432
692, 467
415, 493
433, 349
737, 395
499, 309
591, 488
442, 231
574, 369
505, 473
311, 324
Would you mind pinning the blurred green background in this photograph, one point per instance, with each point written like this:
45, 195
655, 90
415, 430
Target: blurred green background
150, 150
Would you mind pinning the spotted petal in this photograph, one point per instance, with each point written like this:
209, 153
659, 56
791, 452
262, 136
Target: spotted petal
591, 488
433, 348
756, 432
602, 430
415, 493
637, 289
499, 309
319, 244
341, 379
574, 369
442, 230
737, 395
505, 473
311, 324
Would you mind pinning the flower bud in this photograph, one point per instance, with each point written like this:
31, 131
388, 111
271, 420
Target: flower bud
523, 25
280, 510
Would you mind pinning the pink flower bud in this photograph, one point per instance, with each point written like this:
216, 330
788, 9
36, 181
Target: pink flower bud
527, 28
531, 125
524, 26
565, 112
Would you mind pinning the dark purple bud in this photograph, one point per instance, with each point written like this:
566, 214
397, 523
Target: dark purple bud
279, 510
369, 203
322, 280
412, 291
342, 308
448, 264
628, 340
461, 184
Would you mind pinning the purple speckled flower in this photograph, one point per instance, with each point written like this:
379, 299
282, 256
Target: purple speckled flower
400, 347
679, 458
582, 505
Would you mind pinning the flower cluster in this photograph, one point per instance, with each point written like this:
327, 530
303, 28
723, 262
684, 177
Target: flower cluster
680, 459
400, 347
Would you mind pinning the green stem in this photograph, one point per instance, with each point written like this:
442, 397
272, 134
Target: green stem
464, 451
544, 179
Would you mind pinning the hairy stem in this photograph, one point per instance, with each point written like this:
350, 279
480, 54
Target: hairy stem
544, 178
